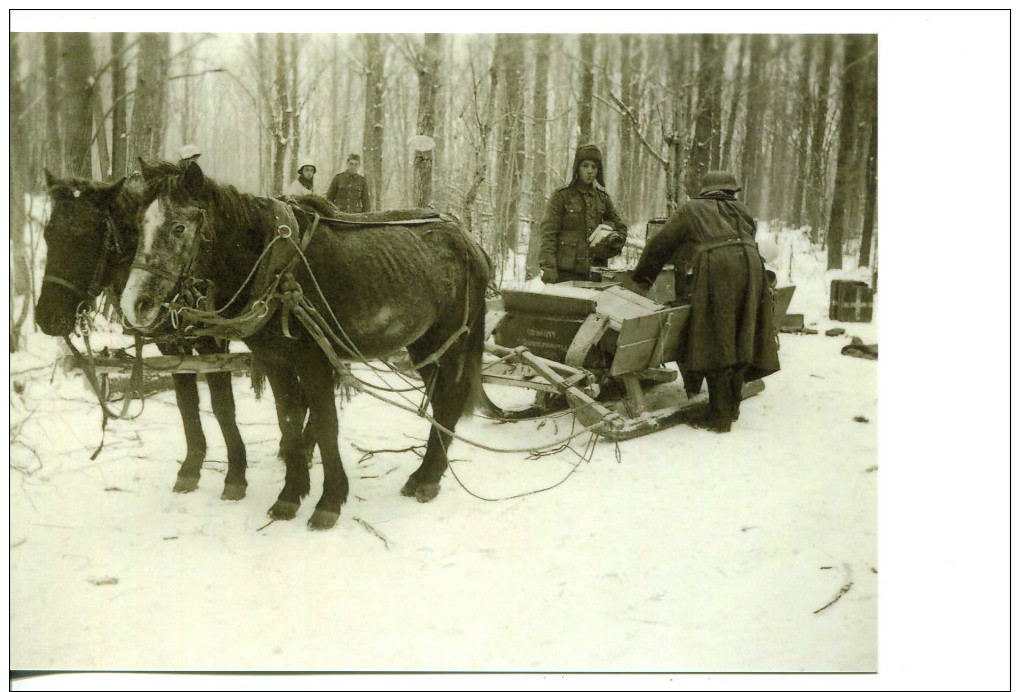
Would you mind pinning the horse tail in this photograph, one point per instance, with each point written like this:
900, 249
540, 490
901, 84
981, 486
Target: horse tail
472, 360
480, 270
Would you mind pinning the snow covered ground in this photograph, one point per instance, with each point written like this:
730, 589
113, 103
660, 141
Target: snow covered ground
680, 551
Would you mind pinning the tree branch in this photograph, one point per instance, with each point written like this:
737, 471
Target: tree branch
624, 110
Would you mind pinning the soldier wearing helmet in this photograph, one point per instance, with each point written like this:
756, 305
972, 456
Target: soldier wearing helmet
573, 215
304, 184
730, 335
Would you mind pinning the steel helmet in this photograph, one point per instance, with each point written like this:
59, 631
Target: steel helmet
188, 151
719, 180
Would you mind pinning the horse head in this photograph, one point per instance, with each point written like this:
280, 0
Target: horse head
83, 246
173, 227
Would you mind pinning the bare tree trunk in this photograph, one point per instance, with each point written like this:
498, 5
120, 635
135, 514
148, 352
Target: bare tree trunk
187, 108
587, 87
853, 50
624, 187
19, 179
119, 131
76, 52
676, 138
444, 88
282, 116
53, 144
539, 176
148, 120
754, 139
428, 73
700, 155
727, 156
374, 116
484, 120
803, 132
336, 131
816, 191
102, 148
295, 109
511, 166
871, 174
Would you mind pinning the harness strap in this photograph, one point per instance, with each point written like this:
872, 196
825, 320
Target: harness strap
52, 279
729, 242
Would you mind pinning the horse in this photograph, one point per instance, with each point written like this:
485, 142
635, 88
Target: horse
91, 237
366, 288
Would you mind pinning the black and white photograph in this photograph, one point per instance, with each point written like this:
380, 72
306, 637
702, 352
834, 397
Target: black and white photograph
510, 342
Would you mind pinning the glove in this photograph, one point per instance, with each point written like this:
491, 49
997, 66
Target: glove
549, 275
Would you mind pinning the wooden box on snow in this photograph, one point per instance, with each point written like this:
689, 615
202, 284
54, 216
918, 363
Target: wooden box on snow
850, 301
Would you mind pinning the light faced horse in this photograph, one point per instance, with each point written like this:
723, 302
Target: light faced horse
380, 287
91, 238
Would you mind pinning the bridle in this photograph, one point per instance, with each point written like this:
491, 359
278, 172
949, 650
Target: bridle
201, 236
113, 245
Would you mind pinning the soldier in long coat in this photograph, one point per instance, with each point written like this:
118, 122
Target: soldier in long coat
348, 190
572, 214
731, 335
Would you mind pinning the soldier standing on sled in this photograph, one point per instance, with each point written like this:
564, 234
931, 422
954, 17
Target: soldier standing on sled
730, 334
573, 215
348, 190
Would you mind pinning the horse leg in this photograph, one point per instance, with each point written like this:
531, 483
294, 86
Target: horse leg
448, 398
290, 412
186, 389
222, 394
317, 384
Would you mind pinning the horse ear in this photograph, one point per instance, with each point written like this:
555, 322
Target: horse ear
193, 179
114, 189
149, 173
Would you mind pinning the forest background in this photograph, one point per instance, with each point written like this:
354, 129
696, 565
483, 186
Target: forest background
794, 116
944, 86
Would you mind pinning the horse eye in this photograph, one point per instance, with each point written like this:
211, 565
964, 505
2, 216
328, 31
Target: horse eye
179, 228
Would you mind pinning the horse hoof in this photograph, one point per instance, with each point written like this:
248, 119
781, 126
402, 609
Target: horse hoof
410, 488
283, 510
426, 492
234, 491
322, 520
186, 484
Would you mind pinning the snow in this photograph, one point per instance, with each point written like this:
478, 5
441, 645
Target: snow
678, 551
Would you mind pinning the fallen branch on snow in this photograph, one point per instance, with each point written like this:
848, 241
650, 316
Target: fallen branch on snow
846, 587
371, 529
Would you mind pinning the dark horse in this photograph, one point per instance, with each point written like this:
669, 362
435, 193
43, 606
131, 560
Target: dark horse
419, 285
91, 237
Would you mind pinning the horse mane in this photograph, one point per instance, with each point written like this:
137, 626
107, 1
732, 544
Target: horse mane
235, 209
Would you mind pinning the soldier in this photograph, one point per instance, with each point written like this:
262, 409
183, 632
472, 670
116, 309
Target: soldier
187, 153
730, 336
304, 184
574, 213
349, 191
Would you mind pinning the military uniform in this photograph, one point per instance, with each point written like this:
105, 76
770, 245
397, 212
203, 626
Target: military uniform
349, 192
572, 213
731, 333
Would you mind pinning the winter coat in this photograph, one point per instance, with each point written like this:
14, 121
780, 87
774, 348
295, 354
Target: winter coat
296, 188
349, 192
571, 215
710, 241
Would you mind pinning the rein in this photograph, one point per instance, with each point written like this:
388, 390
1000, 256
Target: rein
84, 363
